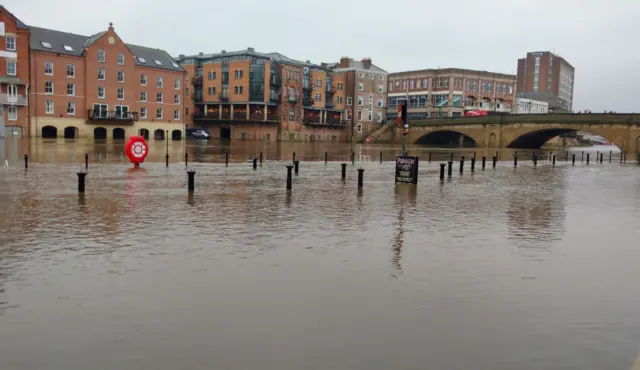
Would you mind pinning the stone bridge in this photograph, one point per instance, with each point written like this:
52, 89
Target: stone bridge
529, 131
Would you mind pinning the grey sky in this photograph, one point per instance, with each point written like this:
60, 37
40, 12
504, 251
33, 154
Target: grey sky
597, 37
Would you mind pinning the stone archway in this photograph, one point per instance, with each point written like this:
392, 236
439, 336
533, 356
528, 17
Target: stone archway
158, 134
176, 135
446, 138
49, 132
70, 132
144, 133
118, 133
100, 133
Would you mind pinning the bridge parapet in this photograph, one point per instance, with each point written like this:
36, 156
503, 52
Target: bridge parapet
558, 118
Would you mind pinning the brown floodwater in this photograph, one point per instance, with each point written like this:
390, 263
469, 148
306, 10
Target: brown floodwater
506, 268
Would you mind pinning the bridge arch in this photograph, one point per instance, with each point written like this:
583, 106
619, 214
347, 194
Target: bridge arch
446, 138
537, 138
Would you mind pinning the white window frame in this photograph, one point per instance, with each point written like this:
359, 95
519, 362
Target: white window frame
361, 87
359, 128
73, 89
359, 115
176, 99
143, 112
381, 78
8, 44
100, 105
126, 110
143, 95
15, 67
159, 82
176, 114
381, 88
48, 64
12, 113
370, 116
143, 79
72, 68
120, 89
49, 104
120, 59
104, 93
380, 103
72, 105
361, 74
161, 111
159, 98
120, 74
12, 91
318, 97
349, 101
360, 101
45, 87
104, 73
211, 90
176, 84
379, 118
102, 56
371, 76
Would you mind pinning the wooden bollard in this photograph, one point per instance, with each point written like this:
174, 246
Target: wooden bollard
381, 156
553, 158
326, 158
535, 159
587, 158
442, 166
582, 158
610, 155
344, 171
601, 157
26, 161
166, 159
86, 161
260, 159
429, 157
573, 159
289, 178
186, 160
294, 157
353, 158
473, 164
566, 156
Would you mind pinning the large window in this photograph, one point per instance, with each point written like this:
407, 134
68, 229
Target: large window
143, 95
48, 87
13, 113
121, 59
71, 70
71, 108
143, 79
122, 111
120, 93
11, 68
48, 68
159, 113
71, 89
143, 112
11, 43
120, 76
360, 100
101, 56
176, 99
101, 74
211, 90
238, 74
160, 81
211, 75
100, 110
176, 114
176, 84
159, 97
48, 107
100, 92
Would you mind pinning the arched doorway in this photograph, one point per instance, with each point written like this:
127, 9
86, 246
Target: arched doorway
158, 134
144, 133
49, 132
176, 135
118, 133
100, 133
70, 132
225, 133
446, 138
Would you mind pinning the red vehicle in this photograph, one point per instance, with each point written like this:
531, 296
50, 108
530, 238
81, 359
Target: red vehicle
476, 113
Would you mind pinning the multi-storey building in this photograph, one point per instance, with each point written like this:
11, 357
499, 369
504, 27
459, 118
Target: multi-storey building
14, 74
449, 92
249, 95
530, 106
548, 77
100, 87
366, 95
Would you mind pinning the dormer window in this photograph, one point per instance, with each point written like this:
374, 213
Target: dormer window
46, 44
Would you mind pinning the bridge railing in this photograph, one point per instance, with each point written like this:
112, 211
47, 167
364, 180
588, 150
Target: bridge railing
561, 118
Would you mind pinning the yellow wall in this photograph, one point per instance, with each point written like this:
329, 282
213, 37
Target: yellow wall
86, 130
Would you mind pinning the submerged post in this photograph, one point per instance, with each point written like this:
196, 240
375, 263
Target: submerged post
294, 157
226, 159
461, 164
588, 158
186, 159
255, 163
191, 180
566, 156
326, 158
601, 157
26, 161
473, 164
515, 160
582, 158
484, 162
610, 154
381, 156
86, 161
573, 159
260, 159
353, 158
450, 168
535, 159
166, 160
442, 166
553, 159
429, 157
495, 160
295, 166
289, 178
344, 171
360, 177
81, 177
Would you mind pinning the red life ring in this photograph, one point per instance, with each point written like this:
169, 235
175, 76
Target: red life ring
136, 149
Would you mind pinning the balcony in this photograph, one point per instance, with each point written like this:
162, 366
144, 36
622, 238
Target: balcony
7, 99
96, 115
223, 97
255, 114
196, 81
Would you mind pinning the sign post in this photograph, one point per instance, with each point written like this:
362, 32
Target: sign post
406, 170
403, 124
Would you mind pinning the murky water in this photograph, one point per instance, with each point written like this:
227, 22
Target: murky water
527, 268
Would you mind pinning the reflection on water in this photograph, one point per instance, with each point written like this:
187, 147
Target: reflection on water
527, 268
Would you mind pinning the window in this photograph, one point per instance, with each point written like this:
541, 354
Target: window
45, 44
67, 48
318, 83
157, 62
142, 60
360, 100
48, 68
176, 99
48, 107
71, 70
318, 97
159, 113
100, 110
120, 93
340, 85
120, 76
359, 116
379, 116
12, 91
11, 43
359, 127
370, 115
211, 90
159, 97
122, 111
176, 84
159, 81
71, 108
176, 114
101, 56
71, 89
412, 84
446, 82
418, 84
11, 67
361, 87
404, 85
339, 100
13, 113
143, 95
381, 88
100, 92
371, 76
143, 112
380, 103
175, 65
101, 74
211, 75
238, 74
362, 75
370, 98
121, 59
143, 79
349, 100
238, 90
48, 87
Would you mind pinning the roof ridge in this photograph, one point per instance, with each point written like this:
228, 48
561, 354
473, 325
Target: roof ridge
50, 29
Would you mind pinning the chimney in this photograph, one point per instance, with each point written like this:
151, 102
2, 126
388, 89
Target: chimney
223, 52
250, 49
200, 53
110, 26
181, 56
366, 63
344, 62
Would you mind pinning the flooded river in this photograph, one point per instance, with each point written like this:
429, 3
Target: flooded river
527, 268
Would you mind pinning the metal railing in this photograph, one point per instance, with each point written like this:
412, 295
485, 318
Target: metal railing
98, 115
13, 99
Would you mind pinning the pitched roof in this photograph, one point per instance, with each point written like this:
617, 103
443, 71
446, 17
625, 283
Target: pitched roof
356, 64
19, 23
58, 40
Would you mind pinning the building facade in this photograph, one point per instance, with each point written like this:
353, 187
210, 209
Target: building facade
14, 75
548, 77
100, 87
530, 106
450, 92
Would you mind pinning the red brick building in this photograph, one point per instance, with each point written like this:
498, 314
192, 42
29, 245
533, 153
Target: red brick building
547, 77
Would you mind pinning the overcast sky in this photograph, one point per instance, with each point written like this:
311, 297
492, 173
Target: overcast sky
598, 37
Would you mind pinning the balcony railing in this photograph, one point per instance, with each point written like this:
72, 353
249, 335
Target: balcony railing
96, 115
13, 99
196, 81
237, 118
312, 121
